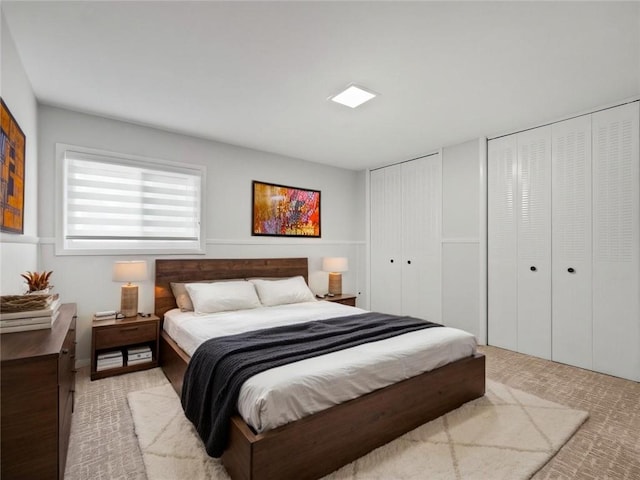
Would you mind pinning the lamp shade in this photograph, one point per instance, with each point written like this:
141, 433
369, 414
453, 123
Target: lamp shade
130, 271
335, 264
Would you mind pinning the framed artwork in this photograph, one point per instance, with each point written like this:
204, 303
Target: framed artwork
12, 144
283, 211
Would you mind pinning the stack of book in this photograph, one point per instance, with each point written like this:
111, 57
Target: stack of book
41, 316
107, 360
136, 355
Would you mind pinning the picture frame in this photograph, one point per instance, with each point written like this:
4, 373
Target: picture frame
284, 211
12, 170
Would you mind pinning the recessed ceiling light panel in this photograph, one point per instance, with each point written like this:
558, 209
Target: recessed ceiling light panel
353, 96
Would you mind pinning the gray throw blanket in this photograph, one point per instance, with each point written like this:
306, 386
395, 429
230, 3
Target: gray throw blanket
220, 366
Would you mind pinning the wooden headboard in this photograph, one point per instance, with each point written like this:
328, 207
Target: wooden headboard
193, 270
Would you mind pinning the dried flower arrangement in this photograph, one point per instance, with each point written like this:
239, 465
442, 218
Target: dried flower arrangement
37, 281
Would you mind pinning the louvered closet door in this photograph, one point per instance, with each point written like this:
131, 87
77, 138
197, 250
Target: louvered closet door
502, 286
571, 242
616, 242
534, 242
421, 231
386, 241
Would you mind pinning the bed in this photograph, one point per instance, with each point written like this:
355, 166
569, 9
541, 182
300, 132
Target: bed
324, 441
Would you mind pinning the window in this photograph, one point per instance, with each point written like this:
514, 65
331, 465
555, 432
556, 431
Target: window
124, 203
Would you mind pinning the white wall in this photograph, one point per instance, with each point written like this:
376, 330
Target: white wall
86, 280
19, 253
464, 238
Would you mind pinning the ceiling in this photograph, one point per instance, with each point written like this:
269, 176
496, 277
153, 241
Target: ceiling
258, 74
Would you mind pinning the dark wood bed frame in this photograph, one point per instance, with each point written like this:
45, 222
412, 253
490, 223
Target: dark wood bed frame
321, 443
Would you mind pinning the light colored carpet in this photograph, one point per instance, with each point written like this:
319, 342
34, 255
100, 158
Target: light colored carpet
104, 446
508, 434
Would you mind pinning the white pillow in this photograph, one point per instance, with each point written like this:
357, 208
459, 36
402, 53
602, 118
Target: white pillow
281, 292
222, 296
182, 296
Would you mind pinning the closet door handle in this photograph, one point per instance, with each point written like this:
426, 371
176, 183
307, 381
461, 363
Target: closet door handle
392, 260
571, 270
409, 262
533, 268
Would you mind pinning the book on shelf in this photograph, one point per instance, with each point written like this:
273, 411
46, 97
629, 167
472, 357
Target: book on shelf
28, 324
106, 366
109, 357
110, 354
49, 311
110, 361
136, 356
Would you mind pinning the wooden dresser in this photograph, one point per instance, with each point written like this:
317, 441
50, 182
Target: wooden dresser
37, 389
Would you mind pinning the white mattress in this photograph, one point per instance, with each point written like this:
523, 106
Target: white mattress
287, 393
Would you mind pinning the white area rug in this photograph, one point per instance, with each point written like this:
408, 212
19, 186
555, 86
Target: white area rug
507, 434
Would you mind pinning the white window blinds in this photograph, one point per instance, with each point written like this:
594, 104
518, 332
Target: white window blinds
125, 203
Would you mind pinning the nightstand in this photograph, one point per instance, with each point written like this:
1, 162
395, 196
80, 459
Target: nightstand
110, 336
345, 299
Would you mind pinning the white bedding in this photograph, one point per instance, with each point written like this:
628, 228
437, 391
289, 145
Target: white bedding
287, 393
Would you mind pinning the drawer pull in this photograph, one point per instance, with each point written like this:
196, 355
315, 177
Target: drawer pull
65, 351
129, 329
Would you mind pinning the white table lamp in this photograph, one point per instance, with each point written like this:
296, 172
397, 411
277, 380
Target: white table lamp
335, 265
131, 271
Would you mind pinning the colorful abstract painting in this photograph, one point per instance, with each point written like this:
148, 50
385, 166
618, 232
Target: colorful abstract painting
279, 210
12, 145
